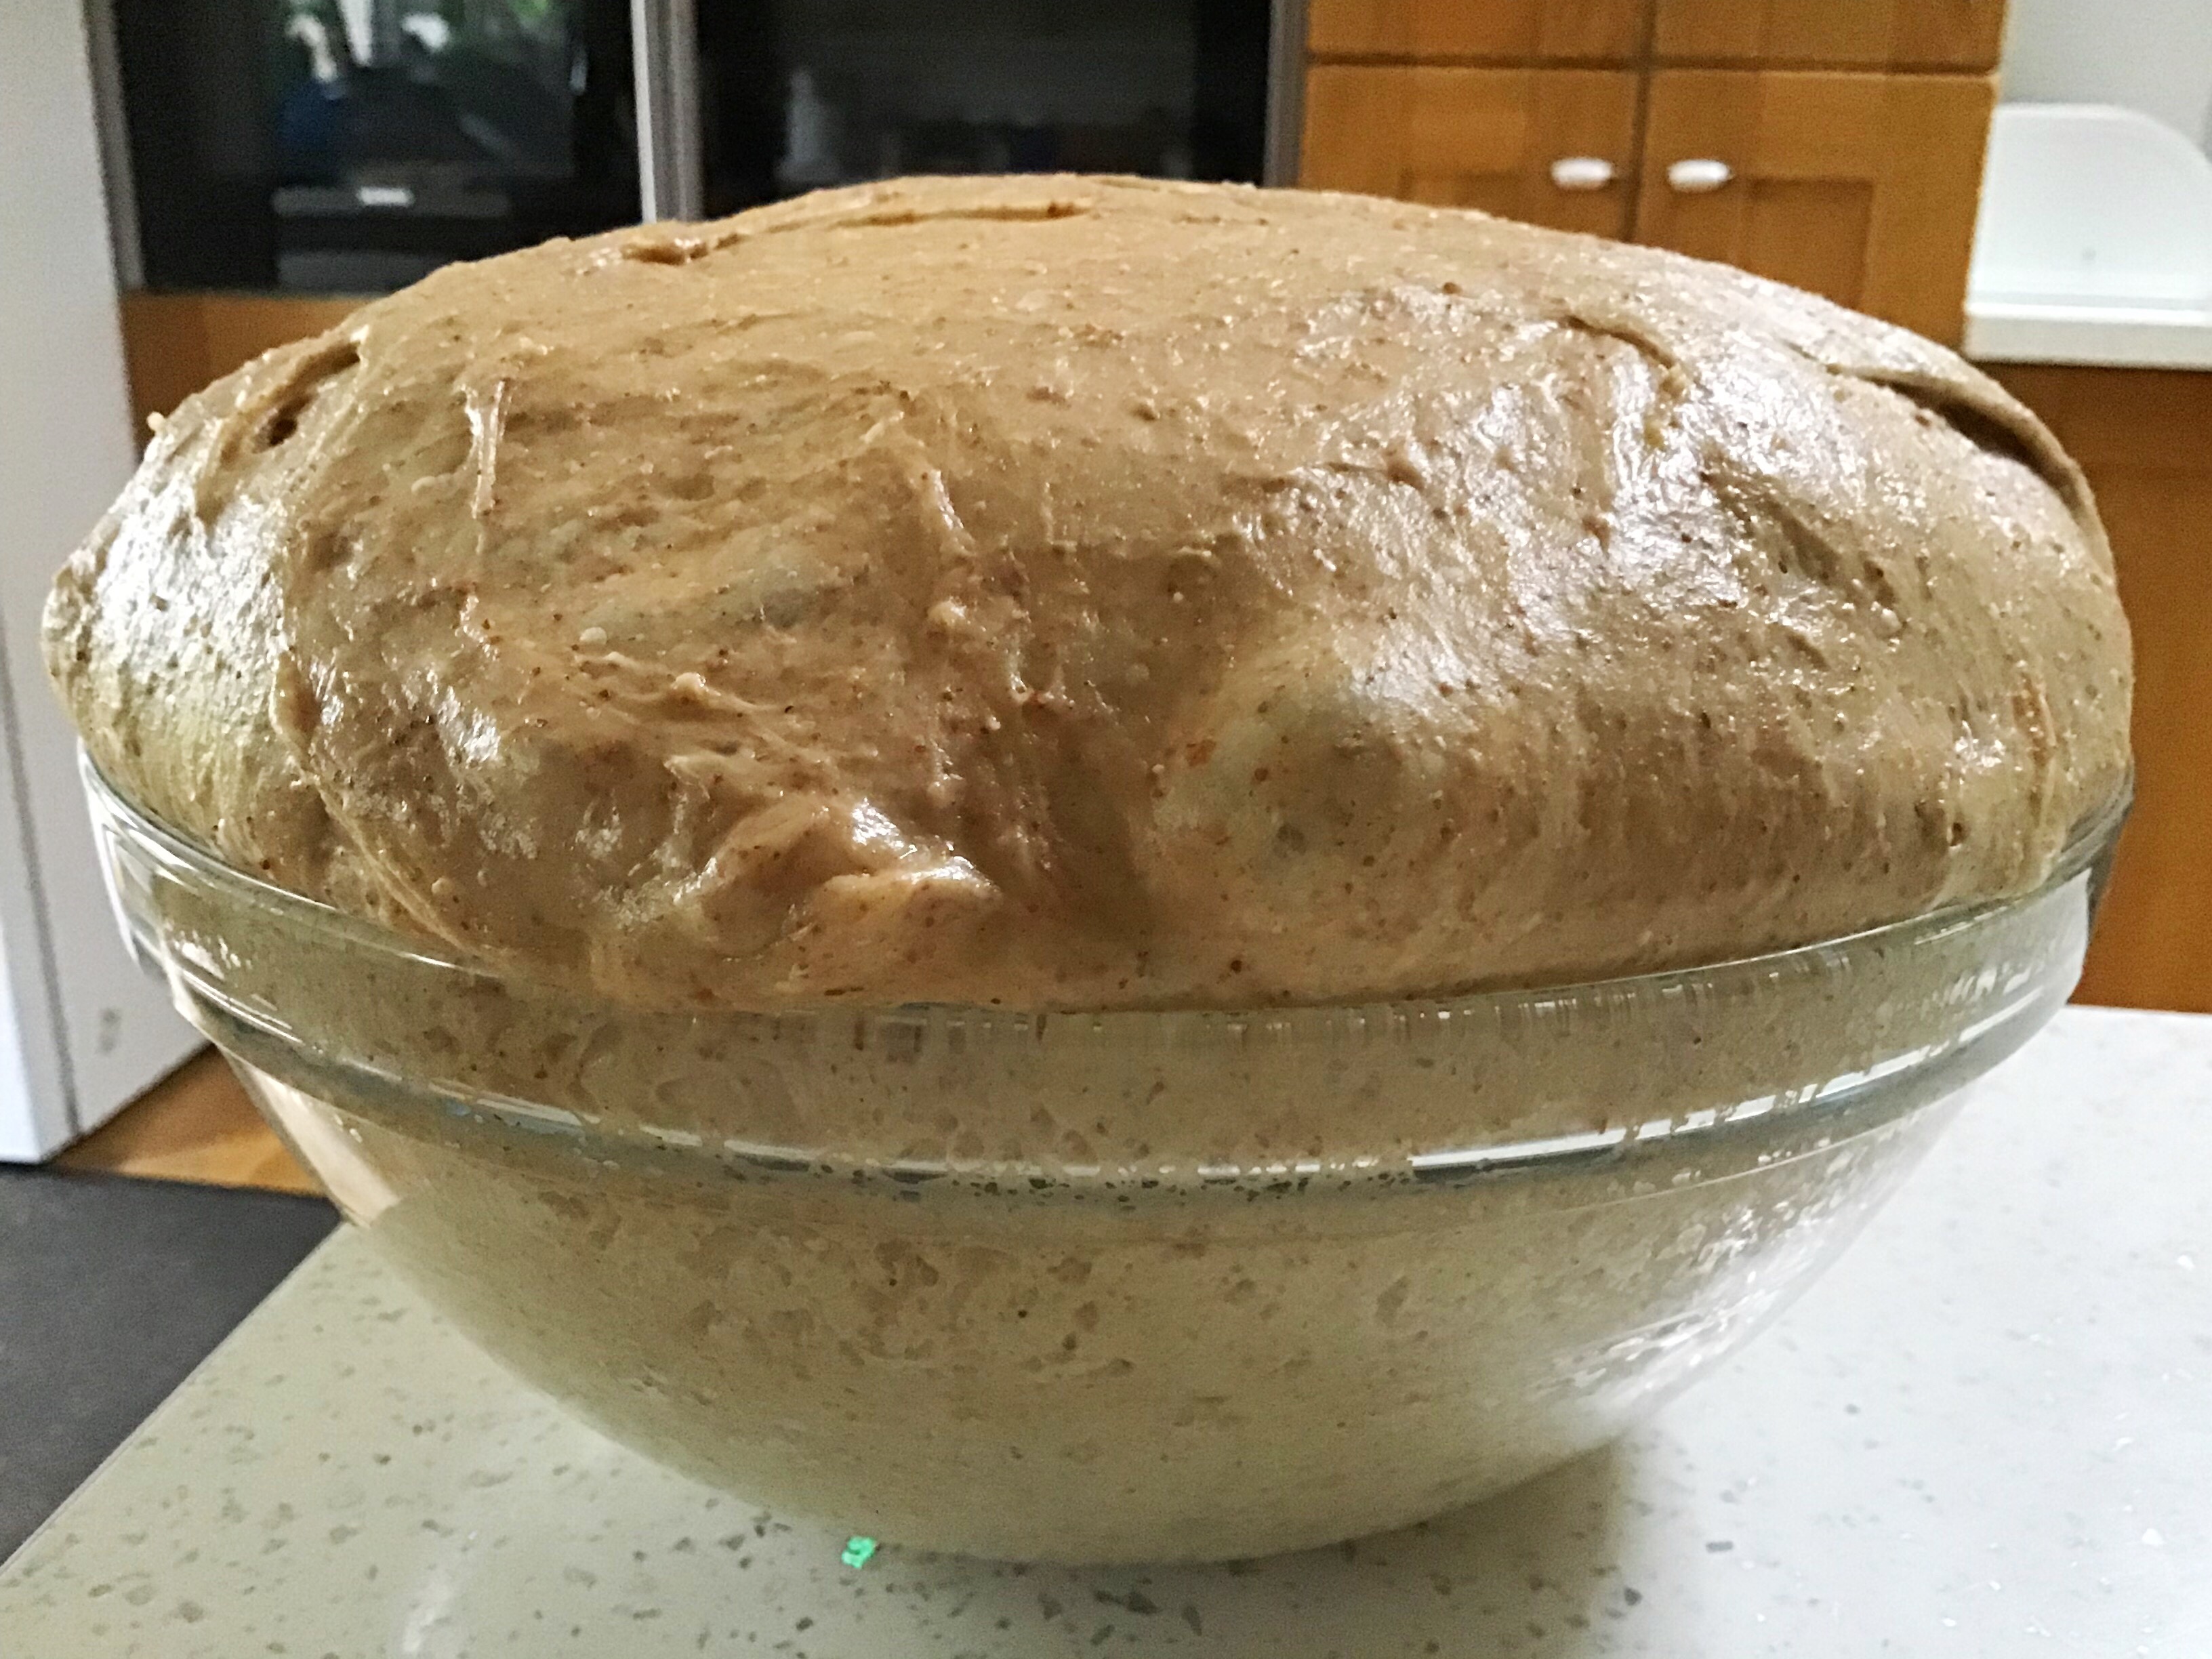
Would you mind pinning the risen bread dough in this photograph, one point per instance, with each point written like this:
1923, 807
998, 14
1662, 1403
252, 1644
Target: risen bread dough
1093, 592
1089, 592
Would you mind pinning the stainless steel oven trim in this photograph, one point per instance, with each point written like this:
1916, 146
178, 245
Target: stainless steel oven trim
114, 145
670, 147
1286, 91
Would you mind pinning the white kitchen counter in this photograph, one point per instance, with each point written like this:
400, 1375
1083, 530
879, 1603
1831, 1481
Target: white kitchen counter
2094, 242
2091, 336
1988, 1432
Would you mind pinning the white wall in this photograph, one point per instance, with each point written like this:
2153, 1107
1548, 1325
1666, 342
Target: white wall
34, 1108
2154, 56
90, 1031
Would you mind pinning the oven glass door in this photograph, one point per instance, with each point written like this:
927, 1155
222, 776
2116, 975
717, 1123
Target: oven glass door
351, 146
792, 95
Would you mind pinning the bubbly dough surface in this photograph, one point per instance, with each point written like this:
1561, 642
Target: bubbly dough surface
1097, 593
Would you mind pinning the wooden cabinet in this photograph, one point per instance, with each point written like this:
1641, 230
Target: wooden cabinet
1861, 187
1541, 31
1553, 146
1857, 182
176, 343
2144, 437
1962, 35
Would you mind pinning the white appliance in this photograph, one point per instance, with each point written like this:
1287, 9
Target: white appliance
81, 1030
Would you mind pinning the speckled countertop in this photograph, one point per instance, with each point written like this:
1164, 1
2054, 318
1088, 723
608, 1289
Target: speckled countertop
1988, 1432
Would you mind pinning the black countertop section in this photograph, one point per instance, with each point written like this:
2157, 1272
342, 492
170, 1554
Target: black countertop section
112, 1289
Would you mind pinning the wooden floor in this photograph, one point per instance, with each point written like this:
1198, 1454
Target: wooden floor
194, 1124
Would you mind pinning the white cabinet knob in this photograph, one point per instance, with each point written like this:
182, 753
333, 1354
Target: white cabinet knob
1696, 177
1581, 173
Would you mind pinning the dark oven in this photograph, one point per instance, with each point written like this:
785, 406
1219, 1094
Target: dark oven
349, 146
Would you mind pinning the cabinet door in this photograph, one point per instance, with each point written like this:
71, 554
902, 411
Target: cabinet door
1961, 34
1606, 31
1861, 187
1555, 147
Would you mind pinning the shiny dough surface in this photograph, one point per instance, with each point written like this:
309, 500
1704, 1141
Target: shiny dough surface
1071, 591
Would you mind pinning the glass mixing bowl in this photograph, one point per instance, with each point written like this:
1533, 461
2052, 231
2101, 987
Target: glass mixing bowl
1113, 1287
